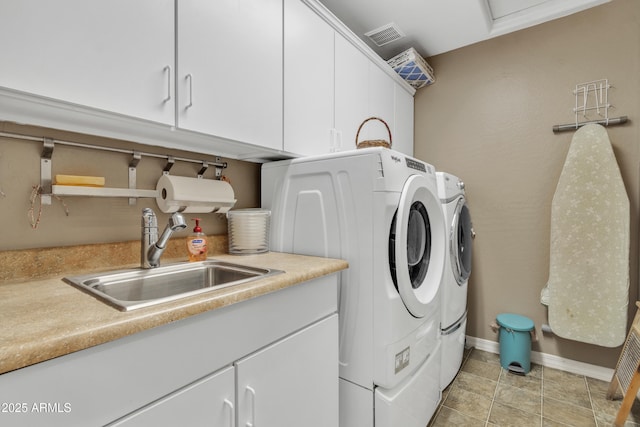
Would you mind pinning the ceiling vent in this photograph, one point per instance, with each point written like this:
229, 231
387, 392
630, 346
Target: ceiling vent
385, 34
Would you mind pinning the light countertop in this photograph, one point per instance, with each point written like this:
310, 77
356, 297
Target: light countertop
48, 318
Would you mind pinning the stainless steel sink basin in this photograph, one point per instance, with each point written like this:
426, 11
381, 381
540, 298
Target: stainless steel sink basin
137, 288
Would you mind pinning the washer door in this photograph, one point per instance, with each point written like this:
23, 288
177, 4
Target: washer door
418, 245
460, 242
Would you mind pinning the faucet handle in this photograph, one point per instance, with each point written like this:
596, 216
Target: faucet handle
149, 235
149, 219
153, 248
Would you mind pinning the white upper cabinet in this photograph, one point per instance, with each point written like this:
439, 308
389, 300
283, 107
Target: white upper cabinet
352, 91
381, 104
229, 77
251, 79
363, 90
403, 121
116, 56
331, 87
308, 81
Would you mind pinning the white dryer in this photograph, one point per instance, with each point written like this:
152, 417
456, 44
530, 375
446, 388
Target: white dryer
379, 210
456, 275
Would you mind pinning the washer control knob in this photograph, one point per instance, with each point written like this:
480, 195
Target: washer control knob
461, 185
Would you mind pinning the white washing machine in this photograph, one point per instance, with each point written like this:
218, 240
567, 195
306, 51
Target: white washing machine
379, 210
456, 275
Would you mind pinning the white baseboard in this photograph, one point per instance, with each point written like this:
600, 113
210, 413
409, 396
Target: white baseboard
549, 360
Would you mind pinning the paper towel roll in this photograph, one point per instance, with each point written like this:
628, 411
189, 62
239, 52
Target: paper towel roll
193, 195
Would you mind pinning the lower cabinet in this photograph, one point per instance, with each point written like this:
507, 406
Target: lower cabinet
208, 401
270, 361
291, 382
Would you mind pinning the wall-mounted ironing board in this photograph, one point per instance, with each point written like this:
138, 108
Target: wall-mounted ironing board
589, 256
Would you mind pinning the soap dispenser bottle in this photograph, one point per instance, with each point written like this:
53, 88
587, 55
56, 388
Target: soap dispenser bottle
197, 243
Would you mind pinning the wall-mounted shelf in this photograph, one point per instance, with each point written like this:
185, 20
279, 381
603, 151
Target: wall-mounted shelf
46, 189
75, 190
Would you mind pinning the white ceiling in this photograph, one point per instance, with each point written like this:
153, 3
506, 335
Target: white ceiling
437, 26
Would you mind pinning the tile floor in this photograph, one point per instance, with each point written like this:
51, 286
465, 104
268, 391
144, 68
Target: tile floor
483, 394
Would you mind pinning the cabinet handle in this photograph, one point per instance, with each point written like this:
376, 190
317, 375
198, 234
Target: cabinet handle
335, 140
167, 69
229, 405
253, 407
332, 140
190, 78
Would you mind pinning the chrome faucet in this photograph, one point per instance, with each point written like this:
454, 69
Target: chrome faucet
151, 246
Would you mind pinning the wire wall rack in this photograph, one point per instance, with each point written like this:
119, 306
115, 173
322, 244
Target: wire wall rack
592, 106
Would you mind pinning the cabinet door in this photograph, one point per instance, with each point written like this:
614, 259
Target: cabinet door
209, 401
293, 382
403, 124
113, 55
308, 81
351, 91
229, 79
381, 104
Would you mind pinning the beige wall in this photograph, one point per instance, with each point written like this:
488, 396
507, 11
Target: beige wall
488, 119
94, 219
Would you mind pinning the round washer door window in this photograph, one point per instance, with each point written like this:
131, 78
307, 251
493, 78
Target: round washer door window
461, 238
417, 245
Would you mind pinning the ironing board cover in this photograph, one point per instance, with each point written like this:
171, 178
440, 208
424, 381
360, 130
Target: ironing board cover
589, 255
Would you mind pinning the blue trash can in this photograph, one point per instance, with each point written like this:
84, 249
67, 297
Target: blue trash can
515, 342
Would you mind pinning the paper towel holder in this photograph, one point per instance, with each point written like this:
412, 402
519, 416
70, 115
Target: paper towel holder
193, 195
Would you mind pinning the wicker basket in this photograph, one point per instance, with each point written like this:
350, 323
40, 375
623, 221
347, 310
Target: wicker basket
373, 142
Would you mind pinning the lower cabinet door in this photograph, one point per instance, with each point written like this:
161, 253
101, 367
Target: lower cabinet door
206, 402
293, 382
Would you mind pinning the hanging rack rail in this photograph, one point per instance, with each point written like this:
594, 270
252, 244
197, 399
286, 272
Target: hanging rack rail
47, 189
605, 122
117, 150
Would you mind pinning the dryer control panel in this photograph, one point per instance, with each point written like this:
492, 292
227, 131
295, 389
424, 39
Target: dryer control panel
415, 164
